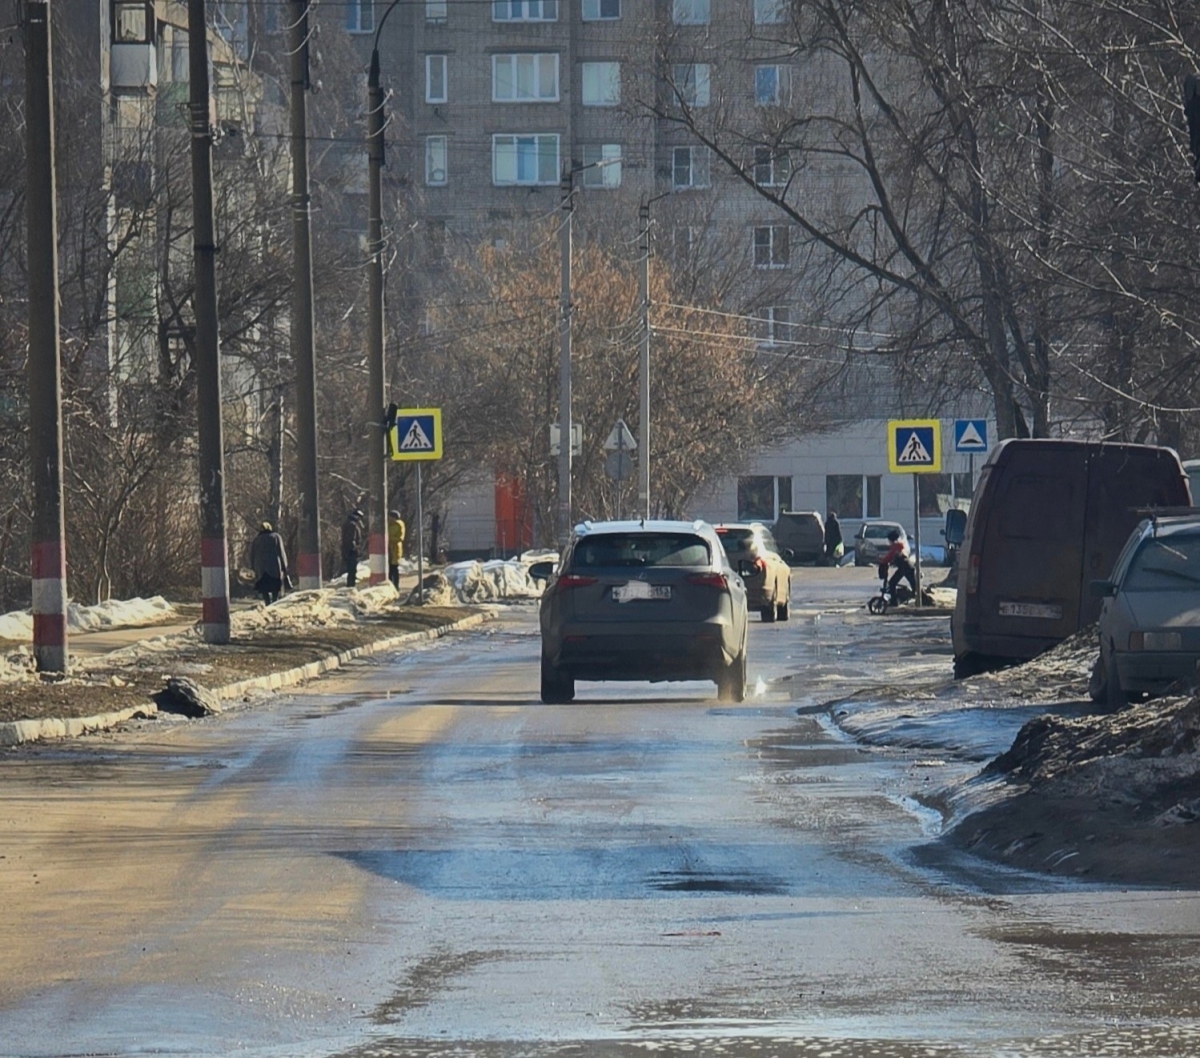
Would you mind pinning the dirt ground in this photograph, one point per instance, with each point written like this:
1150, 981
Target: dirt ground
107, 685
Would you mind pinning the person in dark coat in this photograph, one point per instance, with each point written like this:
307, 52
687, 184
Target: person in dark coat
268, 559
352, 544
835, 547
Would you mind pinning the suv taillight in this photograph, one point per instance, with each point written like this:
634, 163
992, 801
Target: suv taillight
709, 580
572, 580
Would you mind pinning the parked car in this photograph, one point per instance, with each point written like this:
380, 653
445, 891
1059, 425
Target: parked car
1150, 614
800, 536
644, 600
1047, 518
871, 541
754, 554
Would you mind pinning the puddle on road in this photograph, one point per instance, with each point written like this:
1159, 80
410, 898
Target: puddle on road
707, 882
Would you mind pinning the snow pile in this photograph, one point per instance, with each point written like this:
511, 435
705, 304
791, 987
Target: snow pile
490, 581
319, 607
116, 613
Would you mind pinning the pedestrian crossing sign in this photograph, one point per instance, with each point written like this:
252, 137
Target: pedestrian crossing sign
417, 434
915, 446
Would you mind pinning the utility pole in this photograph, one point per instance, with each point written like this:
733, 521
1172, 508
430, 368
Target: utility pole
376, 468
214, 551
564, 363
49, 556
308, 562
644, 368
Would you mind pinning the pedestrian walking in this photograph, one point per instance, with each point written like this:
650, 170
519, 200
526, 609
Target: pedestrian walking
396, 531
835, 547
268, 559
352, 542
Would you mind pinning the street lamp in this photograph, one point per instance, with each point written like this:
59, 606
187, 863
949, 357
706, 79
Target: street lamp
644, 360
564, 355
377, 508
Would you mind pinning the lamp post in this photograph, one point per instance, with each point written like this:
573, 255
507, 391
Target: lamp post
377, 508
644, 359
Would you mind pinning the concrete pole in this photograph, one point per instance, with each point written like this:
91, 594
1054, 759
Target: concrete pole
564, 365
644, 369
308, 561
49, 556
214, 551
377, 471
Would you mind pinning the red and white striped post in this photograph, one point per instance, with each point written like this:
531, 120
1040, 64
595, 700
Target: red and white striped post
49, 557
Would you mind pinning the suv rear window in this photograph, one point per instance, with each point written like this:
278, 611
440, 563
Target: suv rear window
640, 549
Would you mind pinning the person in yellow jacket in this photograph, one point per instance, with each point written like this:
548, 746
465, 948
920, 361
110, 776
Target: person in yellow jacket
395, 547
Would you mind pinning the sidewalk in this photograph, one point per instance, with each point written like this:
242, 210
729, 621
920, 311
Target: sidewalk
115, 673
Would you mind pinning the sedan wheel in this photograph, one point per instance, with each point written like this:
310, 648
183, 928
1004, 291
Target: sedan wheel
781, 611
768, 613
1114, 693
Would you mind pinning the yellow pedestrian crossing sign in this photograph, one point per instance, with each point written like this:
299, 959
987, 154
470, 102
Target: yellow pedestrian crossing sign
915, 446
417, 434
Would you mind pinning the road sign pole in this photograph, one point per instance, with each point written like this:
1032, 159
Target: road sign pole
971, 470
420, 543
917, 532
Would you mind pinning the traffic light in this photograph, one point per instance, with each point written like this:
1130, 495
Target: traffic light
1191, 108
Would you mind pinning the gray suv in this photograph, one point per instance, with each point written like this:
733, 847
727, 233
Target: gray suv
652, 600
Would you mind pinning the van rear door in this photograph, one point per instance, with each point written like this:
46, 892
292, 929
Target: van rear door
1121, 479
1029, 574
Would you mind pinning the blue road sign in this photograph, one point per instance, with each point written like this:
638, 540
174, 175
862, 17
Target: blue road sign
970, 435
914, 446
417, 434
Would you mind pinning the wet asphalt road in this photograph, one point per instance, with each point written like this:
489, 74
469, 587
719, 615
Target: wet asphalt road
418, 858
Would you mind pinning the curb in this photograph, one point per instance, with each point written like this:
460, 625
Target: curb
14, 732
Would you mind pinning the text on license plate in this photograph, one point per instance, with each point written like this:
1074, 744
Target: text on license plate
639, 589
1050, 611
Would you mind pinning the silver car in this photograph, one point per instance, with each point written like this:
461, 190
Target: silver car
1150, 619
871, 542
652, 600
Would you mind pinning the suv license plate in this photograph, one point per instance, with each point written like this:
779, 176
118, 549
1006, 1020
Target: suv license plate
639, 589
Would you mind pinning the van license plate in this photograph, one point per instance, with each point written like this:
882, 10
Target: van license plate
1048, 611
639, 589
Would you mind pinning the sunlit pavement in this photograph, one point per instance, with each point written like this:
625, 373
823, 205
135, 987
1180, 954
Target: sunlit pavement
416, 857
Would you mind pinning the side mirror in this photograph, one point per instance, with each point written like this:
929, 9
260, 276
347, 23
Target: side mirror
1102, 589
789, 554
745, 568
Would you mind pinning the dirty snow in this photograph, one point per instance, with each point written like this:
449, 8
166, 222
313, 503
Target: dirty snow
489, 581
116, 613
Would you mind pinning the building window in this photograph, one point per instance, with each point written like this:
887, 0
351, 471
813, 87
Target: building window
530, 78
853, 495
435, 78
689, 167
435, 10
774, 324
601, 84
525, 159
770, 85
435, 161
524, 10
771, 168
693, 83
760, 498
602, 165
771, 246
601, 10
360, 16
691, 12
939, 493
769, 12
132, 21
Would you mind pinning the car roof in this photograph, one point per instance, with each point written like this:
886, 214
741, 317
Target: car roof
884, 525
1176, 525
643, 525
740, 525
